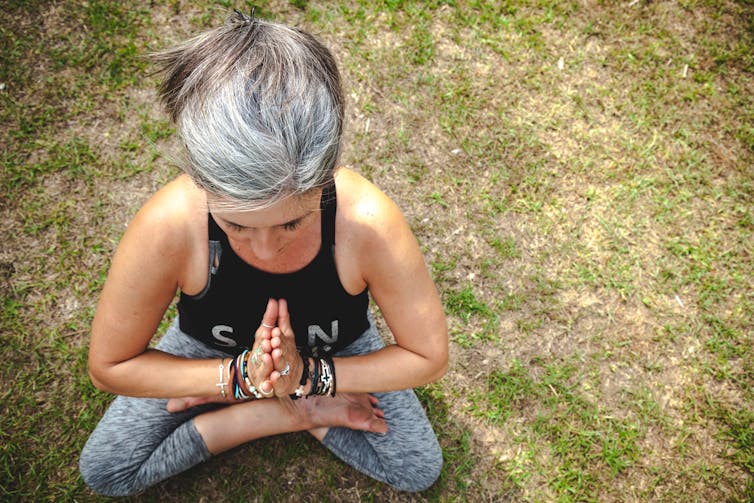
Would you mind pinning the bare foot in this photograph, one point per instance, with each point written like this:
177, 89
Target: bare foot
349, 410
180, 404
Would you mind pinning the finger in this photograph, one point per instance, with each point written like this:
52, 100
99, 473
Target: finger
284, 317
282, 370
276, 341
280, 387
269, 319
378, 426
266, 388
261, 374
278, 359
263, 347
285, 341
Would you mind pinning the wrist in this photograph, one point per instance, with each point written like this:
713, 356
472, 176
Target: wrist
322, 377
310, 384
240, 381
223, 383
304, 383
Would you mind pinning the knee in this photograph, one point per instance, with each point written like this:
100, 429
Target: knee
421, 473
102, 476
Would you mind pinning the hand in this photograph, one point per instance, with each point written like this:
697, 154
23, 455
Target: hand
261, 365
284, 353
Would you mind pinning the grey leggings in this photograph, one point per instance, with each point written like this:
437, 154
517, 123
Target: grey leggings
138, 443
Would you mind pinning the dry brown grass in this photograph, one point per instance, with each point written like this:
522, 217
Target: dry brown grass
579, 175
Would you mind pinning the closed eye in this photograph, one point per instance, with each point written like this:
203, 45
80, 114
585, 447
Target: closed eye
288, 226
292, 225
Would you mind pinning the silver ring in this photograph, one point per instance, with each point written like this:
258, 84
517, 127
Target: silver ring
265, 325
263, 392
255, 356
286, 370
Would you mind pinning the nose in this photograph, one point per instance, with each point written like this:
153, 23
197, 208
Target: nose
264, 244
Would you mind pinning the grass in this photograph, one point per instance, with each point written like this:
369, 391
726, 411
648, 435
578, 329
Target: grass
579, 177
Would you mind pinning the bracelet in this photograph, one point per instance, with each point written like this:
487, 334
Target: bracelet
327, 381
334, 380
315, 377
245, 375
227, 379
323, 377
332, 373
238, 392
221, 383
302, 382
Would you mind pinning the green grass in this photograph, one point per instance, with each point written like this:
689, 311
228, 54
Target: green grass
579, 178
579, 440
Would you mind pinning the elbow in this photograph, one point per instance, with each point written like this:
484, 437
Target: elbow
96, 381
439, 369
98, 376
440, 356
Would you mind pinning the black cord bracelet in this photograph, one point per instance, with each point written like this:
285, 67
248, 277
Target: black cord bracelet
302, 382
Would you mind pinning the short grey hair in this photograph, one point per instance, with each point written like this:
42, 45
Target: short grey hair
259, 108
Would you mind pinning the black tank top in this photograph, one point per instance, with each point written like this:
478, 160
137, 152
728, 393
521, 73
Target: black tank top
227, 313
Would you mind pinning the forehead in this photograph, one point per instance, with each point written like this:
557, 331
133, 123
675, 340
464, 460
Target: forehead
279, 213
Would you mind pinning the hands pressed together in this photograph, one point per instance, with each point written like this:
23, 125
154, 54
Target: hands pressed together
275, 366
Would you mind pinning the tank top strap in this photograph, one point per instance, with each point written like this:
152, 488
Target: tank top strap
329, 205
215, 233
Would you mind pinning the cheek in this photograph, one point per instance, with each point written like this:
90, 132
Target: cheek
288, 236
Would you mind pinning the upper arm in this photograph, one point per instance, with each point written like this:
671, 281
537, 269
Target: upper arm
145, 273
398, 280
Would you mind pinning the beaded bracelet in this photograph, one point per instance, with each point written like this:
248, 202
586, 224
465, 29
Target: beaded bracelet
245, 375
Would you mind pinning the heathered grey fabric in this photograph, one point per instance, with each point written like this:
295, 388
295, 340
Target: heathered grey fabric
138, 443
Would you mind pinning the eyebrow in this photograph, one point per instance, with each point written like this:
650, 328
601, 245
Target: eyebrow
290, 222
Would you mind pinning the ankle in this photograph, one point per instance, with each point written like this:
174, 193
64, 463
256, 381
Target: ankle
319, 433
304, 412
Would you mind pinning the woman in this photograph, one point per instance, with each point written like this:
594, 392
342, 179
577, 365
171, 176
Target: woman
273, 251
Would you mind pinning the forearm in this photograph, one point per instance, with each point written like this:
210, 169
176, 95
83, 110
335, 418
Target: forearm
157, 374
389, 369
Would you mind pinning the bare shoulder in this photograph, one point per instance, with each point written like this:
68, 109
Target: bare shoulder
366, 211
168, 227
155, 256
178, 199
372, 228
385, 256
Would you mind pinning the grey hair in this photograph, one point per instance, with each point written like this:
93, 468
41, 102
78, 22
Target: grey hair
259, 108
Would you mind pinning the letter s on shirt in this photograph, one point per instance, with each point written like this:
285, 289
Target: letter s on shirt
220, 339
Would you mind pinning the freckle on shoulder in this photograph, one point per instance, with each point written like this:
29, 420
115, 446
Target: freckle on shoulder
359, 195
